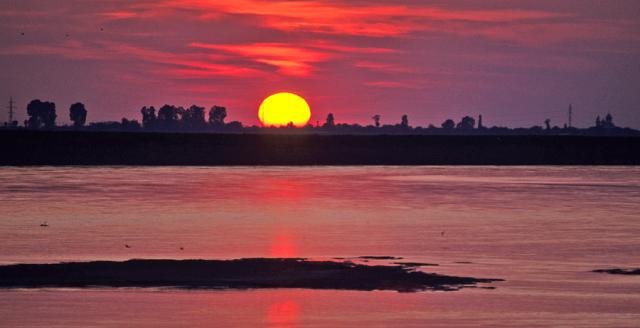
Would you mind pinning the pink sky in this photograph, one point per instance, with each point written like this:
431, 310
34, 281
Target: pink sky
514, 62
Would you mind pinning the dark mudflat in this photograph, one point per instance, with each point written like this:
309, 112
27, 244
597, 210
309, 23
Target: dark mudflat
242, 273
619, 271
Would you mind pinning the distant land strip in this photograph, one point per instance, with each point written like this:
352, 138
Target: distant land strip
29, 147
619, 271
233, 274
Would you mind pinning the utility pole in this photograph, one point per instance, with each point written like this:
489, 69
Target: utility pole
570, 115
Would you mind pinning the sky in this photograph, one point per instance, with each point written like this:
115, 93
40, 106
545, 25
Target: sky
514, 62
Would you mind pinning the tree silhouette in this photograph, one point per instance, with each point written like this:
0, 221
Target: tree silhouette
129, 124
608, 121
193, 117
217, 114
169, 113
41, 114
169, 116
467, 123
148, 116
78, 114
404, 122
234, 126
330, 122
547, 124
449, 124
376, 120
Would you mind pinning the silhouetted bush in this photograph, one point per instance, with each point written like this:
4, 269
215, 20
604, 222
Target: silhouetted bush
449, 124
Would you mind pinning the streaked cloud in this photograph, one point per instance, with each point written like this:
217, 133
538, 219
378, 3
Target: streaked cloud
288, 59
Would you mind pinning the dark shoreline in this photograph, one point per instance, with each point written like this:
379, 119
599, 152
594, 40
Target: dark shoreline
30, 148
232, 274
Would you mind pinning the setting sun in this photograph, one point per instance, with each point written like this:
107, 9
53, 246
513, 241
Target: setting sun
283, 108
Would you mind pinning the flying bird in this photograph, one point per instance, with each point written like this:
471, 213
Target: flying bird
44, 224
127, 246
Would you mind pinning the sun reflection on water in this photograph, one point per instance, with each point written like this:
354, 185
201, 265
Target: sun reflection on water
283, 314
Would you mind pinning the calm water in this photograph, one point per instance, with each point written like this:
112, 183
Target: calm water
541, 228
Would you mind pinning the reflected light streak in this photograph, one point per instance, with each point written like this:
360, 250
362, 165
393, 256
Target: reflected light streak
283, 314
283, 245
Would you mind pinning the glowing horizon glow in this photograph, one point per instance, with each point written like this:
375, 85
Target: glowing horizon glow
283, 108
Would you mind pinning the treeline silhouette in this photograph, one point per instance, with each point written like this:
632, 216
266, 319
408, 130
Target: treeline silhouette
171, 118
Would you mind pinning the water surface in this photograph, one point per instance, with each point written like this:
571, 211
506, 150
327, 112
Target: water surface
543, 229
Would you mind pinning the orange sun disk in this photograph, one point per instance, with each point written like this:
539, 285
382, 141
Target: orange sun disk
283, 108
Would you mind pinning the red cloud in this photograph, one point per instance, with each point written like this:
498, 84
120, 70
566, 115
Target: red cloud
331, 17
289, 60
119, 14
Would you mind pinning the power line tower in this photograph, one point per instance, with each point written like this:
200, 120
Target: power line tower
11, 103
570, 115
